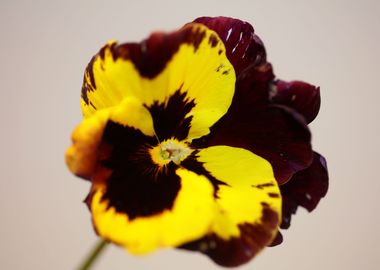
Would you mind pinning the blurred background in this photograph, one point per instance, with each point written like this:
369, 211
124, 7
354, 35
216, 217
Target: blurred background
45, 46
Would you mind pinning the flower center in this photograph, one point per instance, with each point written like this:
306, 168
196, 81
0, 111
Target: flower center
170, 150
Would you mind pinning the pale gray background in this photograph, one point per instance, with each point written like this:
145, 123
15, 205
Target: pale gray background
45, 46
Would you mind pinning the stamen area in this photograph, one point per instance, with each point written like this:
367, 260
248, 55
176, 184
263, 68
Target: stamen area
170, 150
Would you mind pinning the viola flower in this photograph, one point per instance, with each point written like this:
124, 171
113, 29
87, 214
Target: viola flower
190, 142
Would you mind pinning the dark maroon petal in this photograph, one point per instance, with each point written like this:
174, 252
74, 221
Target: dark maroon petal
238, 250
244, 48
305, 189
276, 133
303, 97
252, 86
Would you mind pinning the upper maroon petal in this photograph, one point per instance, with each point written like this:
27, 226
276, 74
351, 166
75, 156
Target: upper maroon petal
244, 47
303, 97
306, 188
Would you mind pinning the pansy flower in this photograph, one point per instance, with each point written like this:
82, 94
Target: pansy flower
189, 141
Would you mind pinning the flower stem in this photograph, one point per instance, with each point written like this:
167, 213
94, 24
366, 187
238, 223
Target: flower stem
95, 252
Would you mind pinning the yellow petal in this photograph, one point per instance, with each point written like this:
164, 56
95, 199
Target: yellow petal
131, 112
191, 61
82, 155
189, 218
250, 191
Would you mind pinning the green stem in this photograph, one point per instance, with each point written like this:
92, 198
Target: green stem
95, 252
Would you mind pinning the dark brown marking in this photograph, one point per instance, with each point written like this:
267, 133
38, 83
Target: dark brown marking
88, 81
213, 40
197, 38
92, 105
264, 204
151, 56
220, 52
219, 67
269, 217
273, 195
226, 72
262, 186
169, 118
84, 91
102, 51
238, 250
192, 164
90, 72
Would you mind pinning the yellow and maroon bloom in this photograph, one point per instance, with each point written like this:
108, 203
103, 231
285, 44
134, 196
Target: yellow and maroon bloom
189, 141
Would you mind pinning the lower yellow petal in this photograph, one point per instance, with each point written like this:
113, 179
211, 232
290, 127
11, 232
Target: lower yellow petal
189, 219
250, 189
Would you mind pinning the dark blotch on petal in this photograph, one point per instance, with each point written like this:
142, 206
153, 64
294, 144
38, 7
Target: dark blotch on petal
238, 250
192, 164
244, 48
263, 186
274, 195
305, 189
88, 81
136, 187
170, 119
303, 97
213, 40
151, 56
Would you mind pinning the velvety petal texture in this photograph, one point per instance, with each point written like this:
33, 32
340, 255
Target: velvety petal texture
302, 97
189, 141
274, 132
244, 47
305, 189
277, 133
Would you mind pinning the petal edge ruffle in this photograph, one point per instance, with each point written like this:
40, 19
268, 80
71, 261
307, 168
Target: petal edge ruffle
300, 96
306, 189
244, 47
